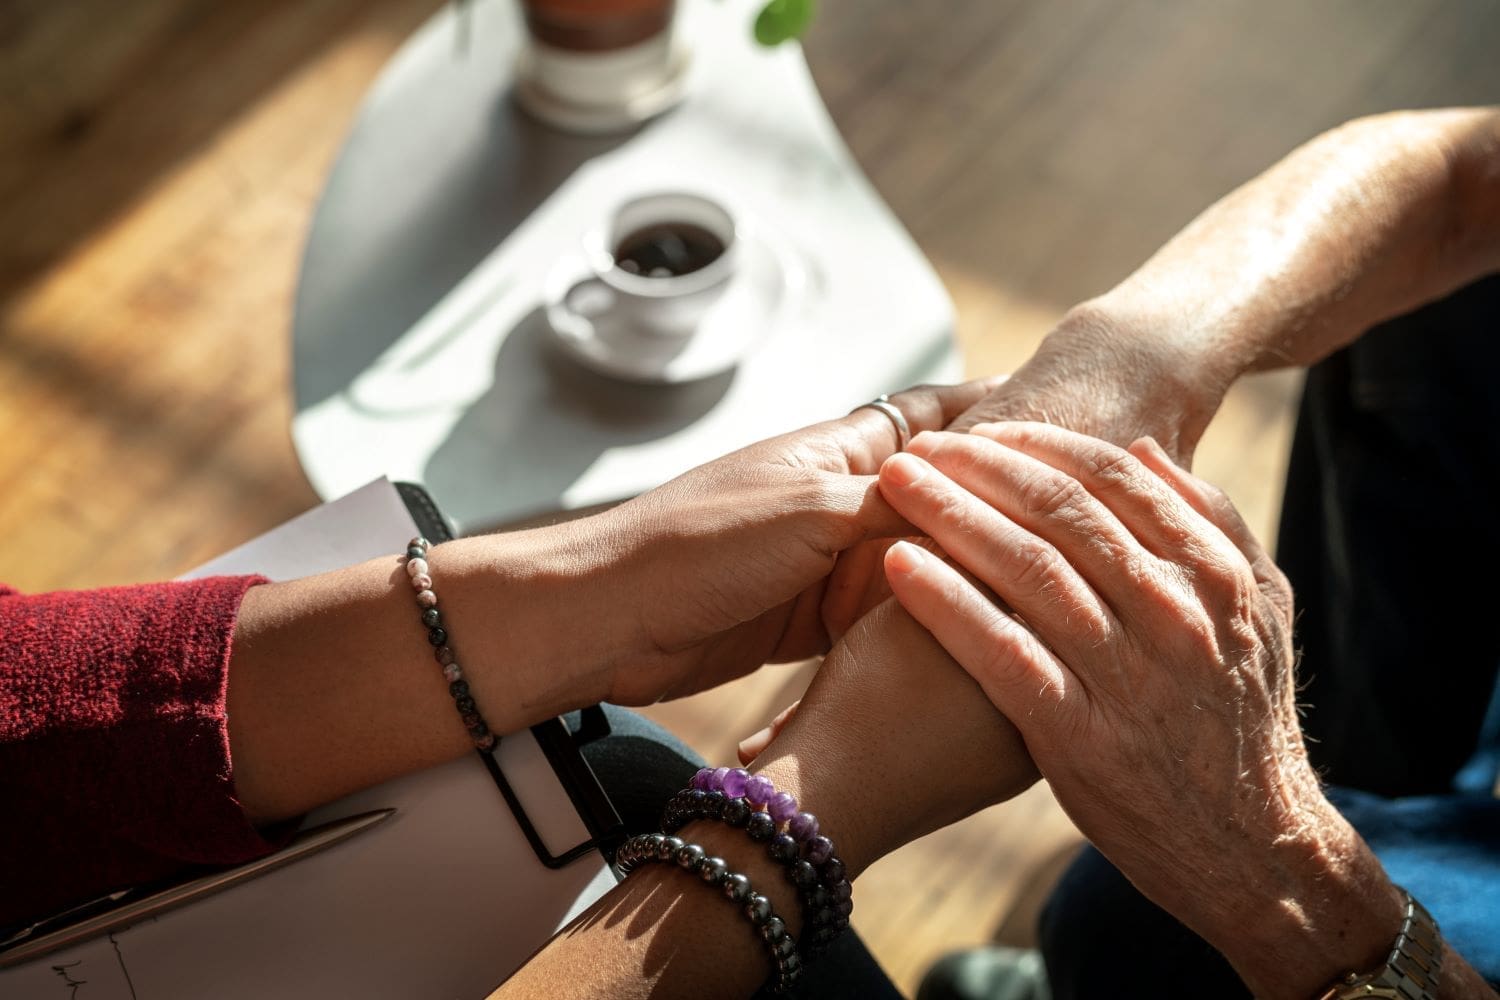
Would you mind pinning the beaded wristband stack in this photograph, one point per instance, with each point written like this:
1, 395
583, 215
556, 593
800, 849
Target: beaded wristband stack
420, 575
659, 847
734, 796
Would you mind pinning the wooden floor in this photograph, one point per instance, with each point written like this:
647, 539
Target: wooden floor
160, 160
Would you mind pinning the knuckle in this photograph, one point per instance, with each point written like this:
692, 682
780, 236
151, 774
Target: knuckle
1116, 468
1217, 498
933, 445
995, 408
959, 513
1089, 625
918, 398
1146, 574
849, 435
1116, 472
1185, 617
1222, 575
1218, 570
1272, 577
951, 509
1277, 589
922, 389
1051, 495
1178, 533
820, 506
1002, 660
1034, 565
811, 490
1225, 513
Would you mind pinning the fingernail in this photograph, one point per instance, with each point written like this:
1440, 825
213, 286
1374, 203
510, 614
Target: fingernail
754, 743
903, 469
904, 557
995, 381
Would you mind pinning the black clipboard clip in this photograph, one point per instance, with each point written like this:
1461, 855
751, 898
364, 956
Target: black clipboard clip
562, 751
589, 799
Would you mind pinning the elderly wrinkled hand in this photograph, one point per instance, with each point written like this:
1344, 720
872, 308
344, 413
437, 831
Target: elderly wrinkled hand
1116, 370
1143, 649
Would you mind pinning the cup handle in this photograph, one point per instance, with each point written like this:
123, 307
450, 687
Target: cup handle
589, 298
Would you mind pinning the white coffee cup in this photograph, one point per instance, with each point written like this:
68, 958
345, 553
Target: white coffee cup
664, 304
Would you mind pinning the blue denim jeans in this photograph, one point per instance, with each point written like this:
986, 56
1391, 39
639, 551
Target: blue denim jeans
1390, 508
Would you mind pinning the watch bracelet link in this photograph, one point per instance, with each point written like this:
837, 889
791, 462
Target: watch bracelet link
1411, 969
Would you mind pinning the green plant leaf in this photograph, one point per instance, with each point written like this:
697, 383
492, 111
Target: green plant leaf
782, 20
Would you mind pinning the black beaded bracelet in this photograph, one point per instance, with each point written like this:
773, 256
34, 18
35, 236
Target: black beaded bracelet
811, 864
646, 848
420, 575
824, 889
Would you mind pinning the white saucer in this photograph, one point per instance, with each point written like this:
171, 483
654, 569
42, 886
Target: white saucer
762, 287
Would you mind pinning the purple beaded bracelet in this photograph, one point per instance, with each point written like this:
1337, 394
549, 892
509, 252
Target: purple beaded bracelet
733, 796
420, 575
757, 789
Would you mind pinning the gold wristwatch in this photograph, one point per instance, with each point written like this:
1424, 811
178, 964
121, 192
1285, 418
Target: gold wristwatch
1410, 971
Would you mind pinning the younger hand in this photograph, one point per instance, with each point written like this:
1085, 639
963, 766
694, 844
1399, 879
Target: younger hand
726, 567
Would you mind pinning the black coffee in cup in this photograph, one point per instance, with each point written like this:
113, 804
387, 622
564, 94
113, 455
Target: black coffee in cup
667, 250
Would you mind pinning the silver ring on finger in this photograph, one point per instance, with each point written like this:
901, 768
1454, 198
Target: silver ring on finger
893, 413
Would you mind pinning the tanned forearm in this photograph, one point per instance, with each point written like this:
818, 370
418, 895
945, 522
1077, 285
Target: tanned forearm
663, 934
333, 686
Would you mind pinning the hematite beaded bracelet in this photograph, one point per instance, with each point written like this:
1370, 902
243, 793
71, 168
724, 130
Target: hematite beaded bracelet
420, 575
731, 795
659, 847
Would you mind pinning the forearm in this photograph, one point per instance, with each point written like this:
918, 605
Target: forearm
1361, 224
333, 685
663, 933
656, 935
841, 755
1366, 222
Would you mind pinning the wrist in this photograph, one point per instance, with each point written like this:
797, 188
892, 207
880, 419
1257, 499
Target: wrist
842, 814
894, 740
836, 772
517, 600
1151, 364
749, 858
1322, 907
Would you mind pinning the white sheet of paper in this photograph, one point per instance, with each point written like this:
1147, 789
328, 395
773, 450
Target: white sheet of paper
444, 899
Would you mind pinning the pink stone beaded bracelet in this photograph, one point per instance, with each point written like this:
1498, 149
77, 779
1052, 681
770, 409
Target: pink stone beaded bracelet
420, 575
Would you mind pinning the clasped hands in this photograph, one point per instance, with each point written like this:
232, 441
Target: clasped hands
1129, 629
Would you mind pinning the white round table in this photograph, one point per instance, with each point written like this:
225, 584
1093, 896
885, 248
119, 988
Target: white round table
421, 349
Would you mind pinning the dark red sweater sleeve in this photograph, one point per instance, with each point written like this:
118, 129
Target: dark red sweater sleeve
114, 750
